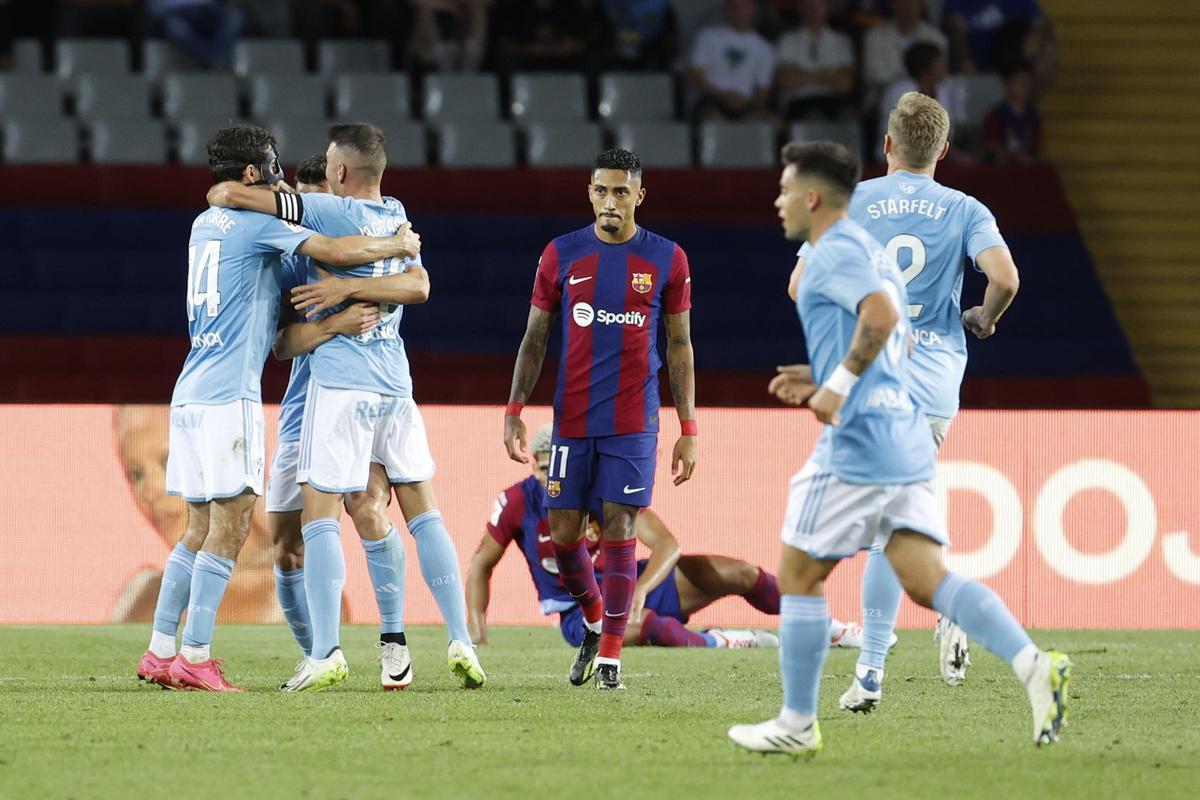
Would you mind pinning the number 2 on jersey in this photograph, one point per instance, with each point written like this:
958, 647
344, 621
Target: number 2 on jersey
916, 248
208, 273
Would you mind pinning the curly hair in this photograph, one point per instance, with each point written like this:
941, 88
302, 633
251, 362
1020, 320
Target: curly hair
311, 170
231, 149
618, 158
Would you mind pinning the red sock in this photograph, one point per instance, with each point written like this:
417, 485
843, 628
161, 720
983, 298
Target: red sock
765, 594
669, 632
620, 577
578, 575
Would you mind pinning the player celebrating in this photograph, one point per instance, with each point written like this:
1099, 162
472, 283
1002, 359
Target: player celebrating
612, 281
869, 479
670, 587
932, 230
216, 438
359, 410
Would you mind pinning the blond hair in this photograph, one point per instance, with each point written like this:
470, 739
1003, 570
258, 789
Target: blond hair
919, 127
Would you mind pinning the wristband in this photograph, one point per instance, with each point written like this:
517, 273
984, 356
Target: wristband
688, 427
841, 381
289, 207
513, 409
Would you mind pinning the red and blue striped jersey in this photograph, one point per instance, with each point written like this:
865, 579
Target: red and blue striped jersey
611, 297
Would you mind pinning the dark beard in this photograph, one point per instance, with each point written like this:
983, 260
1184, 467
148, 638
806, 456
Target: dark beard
609, 227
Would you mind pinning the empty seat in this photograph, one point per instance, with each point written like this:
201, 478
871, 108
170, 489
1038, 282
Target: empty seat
358, 95
41, 141
450, 96
125, 141
544, 97
658, 144
277, 94
737, 144
564, 144
405, 143
112, 96
631, 96
844, 132
27, 56
477, 144
983, 91
299, 137
73, 57
255, 56
160, 57
193, 134
190, 94
353, 55
30, 96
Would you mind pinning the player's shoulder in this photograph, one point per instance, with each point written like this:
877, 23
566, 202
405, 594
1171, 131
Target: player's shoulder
575, 238
393, 206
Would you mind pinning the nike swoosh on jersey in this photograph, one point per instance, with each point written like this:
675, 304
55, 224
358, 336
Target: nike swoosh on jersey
574, 280
627, 490
544, 538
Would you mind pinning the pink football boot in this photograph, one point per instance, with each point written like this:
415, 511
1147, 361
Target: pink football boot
153, 669
205, 676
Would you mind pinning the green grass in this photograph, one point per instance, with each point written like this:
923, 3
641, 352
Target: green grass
74, 723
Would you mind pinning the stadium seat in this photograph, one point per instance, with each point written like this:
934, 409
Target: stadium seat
359, 95
193, 134
477, 144
255, 56
298, 137
160, 58
27, 96
353, 55
564, 144
450, 96
74, 57
27, 56
846, 133
287, 95
983, 91
190, 94
631, 96
41, 141
658, 144
128, 141
737, 145
548, 96
406, 144
112, 96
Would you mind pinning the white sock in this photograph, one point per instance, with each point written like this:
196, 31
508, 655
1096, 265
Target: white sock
594, 627
603, 660
162, 644
1024, 662
794, 721
195, 655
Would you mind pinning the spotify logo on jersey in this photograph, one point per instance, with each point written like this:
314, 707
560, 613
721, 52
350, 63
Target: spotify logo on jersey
583, 314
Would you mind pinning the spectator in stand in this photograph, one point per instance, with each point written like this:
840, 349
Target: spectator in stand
732, 67
927, 74
816, 66
1012, 132
987, 35
97, 18
543, 35
449, 35
884, 47
266, 18
640, 34
329, 19
204, 29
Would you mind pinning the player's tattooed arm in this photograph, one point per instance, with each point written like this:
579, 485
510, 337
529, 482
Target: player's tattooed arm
299, 338
682, 371
351, 251
877, 318
407, 288
528, 368
479, 586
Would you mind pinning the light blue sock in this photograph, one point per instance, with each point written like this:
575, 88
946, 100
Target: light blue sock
385, 563
982, 614
439, 568
881, 593
210, 576
175, 590
324, 577
803, 645
294, 602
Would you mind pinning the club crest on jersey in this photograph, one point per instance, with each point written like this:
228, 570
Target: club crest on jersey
553, 488
642, 282
908, 188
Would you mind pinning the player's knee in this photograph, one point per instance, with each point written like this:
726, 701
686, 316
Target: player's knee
368, 513
289, 557
619, 527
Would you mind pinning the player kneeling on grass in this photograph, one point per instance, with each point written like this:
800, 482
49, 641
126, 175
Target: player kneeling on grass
670, 587
869, 480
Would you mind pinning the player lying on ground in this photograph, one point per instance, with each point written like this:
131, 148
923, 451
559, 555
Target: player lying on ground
670, 586
869, 479
216, 441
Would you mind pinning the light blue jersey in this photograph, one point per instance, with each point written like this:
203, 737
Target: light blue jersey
291, 410
373, 361
232, 303
882, 438
931, 231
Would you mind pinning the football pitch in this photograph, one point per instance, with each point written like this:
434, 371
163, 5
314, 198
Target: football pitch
75, 723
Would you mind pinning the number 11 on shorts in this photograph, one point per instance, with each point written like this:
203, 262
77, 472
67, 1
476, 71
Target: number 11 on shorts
555, 451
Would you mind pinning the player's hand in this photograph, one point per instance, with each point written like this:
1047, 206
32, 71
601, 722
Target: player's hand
282, 187
515, 440
322, 295
218, 195
355, 320
976, 322
793, 384
409, 241
638, 605
683, 458
826, 404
